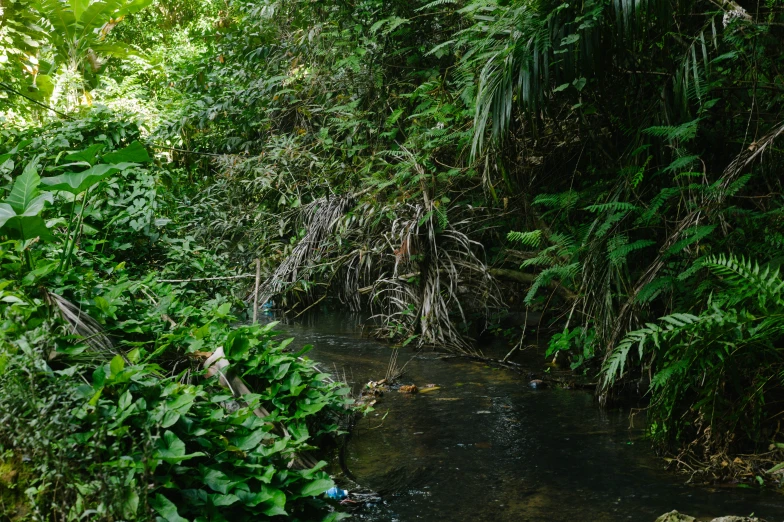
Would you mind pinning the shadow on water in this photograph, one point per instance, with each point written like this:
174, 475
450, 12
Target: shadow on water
485, 447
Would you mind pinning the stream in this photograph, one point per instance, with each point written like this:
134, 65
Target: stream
486, 447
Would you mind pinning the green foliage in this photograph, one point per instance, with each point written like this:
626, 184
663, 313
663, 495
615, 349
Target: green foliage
19, 214
719, 369
99, 387
529, 239
625, 139
576, 343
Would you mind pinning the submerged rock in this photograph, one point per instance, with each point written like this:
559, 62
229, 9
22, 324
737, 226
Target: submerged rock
674, 516
537, 383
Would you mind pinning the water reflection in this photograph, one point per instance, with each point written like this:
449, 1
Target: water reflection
485, 447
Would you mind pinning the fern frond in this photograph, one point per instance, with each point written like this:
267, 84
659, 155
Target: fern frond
564, 200
669, 326
617, 251
748, 278
609, 222
661, 377
613, 206
561, 272
681, 163
436, 3
737, 185
650, 291
691, 235
685, 131
529, 239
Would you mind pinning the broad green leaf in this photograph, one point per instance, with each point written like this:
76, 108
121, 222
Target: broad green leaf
78, 7
6, 213
172, 449
27, 227
249, 442
267, 494
223, 500
219, 481
305, 349
237, 345
274, 511
130, 505
166, 509
35, 206
280, 371
78, 182
568, 40
170, 418
131, 7
87, 155
117, 365
134, 153
25, 188
45, 86
317, 487
180, 403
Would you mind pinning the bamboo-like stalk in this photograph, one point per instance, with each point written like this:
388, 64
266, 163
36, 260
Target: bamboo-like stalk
256, 292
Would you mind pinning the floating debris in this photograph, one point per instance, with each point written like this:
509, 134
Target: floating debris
408, 388
336, 493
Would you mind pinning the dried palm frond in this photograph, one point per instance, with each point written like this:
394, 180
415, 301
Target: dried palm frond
80, 323
418, 272
450, 276
320, 219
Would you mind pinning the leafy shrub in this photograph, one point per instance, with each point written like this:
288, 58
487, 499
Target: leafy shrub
101, 382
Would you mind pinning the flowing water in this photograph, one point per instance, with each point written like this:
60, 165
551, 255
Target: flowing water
486, 447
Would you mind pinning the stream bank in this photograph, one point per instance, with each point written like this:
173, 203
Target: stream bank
486, 447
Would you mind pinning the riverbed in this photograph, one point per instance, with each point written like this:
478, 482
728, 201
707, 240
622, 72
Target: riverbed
487, 447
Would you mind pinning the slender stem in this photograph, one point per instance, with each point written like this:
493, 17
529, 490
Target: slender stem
256, 292
68, 232
196, 279
76, 230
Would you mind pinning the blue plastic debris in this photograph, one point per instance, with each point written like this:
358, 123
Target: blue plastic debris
337, 493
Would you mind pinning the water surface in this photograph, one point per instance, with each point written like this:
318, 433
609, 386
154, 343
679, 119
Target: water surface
486, 447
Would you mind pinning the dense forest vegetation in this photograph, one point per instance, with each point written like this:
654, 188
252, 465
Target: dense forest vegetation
445, 167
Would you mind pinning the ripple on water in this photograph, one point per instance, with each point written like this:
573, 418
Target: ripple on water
486, 447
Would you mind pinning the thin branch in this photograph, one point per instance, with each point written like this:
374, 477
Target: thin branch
242, 276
